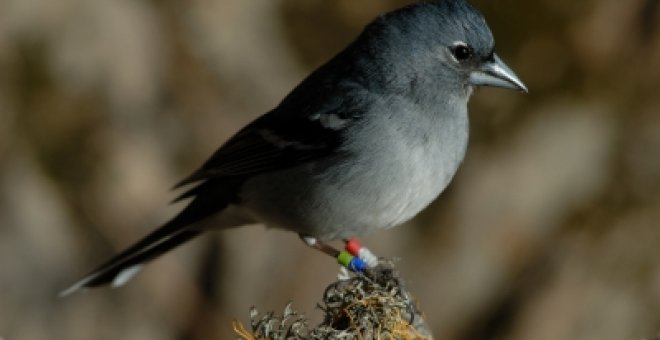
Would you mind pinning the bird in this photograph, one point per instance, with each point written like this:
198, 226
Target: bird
363, 143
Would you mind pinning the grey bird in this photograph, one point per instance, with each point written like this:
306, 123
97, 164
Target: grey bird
365, 142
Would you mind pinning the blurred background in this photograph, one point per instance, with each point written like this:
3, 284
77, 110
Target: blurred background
549, 231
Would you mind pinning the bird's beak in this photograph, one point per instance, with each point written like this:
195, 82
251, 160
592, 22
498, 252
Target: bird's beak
496, 73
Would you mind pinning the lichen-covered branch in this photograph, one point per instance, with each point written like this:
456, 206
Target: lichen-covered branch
373, 305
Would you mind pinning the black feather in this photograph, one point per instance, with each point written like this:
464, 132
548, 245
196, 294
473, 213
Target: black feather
210, 198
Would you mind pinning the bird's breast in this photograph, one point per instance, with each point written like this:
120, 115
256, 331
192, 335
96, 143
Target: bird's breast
406, 168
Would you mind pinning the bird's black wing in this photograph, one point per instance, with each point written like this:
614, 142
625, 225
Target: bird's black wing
273, 142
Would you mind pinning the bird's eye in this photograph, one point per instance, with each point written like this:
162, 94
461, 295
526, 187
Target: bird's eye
461, 51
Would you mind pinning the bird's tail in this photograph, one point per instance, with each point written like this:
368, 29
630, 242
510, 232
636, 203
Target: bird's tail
122, 267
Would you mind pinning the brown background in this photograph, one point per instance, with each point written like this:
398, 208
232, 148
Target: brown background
549, 231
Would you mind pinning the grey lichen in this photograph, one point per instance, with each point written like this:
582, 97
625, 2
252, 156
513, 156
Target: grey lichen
373, 305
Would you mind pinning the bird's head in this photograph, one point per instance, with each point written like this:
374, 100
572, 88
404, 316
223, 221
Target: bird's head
444, 41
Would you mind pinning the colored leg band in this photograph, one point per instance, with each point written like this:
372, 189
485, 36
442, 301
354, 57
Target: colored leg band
351, 262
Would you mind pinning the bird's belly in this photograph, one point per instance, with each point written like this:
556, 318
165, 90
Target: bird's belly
370, 191
408, 181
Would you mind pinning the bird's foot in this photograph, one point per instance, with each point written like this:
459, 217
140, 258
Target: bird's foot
355, 257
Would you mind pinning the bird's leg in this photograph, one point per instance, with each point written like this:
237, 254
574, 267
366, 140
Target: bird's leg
344, 258
312, 242
354, 247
